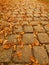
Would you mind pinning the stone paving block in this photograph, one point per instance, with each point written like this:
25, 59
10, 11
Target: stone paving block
36, 15
18, 30
12, 38
24, 23
37, 11
28, 28
44, 22
46, 28
43, 38
44, 18
29, 38
36, 18
44, 14
5, 55
40, 54
39, 28
47, 47
25, 54
29, 18
34, 22
29, 15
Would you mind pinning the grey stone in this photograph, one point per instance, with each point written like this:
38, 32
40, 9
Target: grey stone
12, 38
28, 28
29, 38
44, 22
26, 53
5, 55
39, 28
43, 38
47, 47
46, 28
40, 54
18, 30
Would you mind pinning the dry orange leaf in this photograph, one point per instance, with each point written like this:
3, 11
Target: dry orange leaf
47, 25
35, 64
1, 40
22, 33
19, 54
5, 41
26, 64
16, 27
14, 47
21, 46
18, 36
45, 64
6, 46
32, 59
36, 43
35, 32
30, 46
1, 32
48, 32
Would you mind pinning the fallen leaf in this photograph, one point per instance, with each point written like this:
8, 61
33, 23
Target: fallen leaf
36, 43
16, 27
32, 59
19, 54
1, 41
6, 46
5, 41
30, 46
47, 25
22, 33
18, 36
35, 32
14, 47
48, 32
21, 46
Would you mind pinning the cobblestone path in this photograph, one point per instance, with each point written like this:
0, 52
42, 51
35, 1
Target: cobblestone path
24, 33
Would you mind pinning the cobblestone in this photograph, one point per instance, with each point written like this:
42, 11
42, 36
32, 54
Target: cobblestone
40, 54
18, 29
43, 38
5, 55
46, 28
25, 54
39, 28
28, 28
24, 24
29, 38
47, 47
